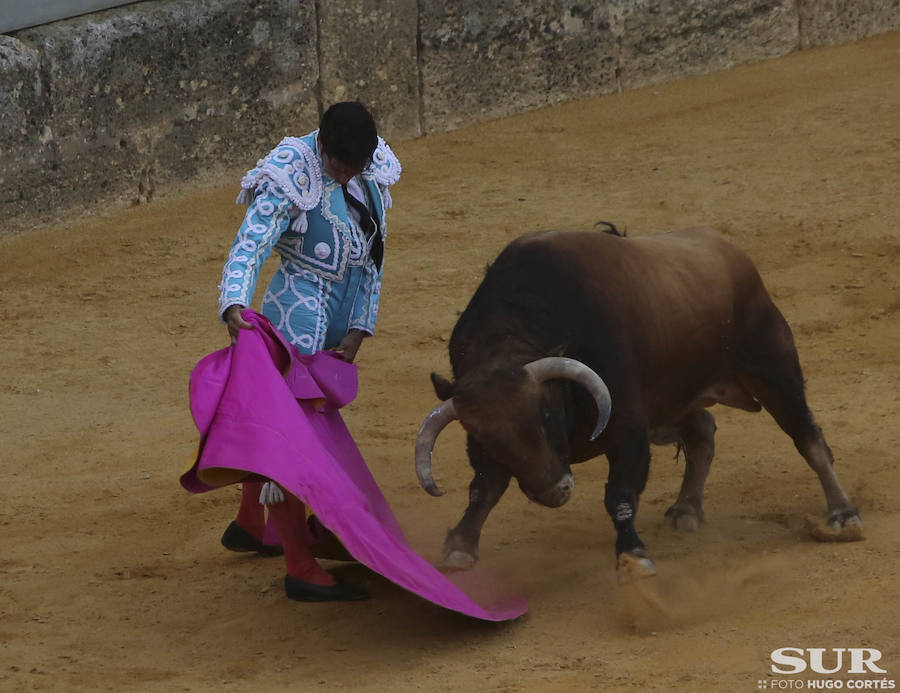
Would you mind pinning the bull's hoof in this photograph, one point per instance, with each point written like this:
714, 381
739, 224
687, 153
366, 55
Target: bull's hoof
684, 518
841, 525
634, 565
455, 561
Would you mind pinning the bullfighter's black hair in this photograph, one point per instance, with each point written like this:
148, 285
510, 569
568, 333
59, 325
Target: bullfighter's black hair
348, 133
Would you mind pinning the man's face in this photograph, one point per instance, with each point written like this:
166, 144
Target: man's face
337, 169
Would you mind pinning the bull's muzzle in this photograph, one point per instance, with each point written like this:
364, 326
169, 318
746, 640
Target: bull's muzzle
557, 495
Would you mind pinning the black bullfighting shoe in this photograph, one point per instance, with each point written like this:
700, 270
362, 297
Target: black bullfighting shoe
308, 592
236, 538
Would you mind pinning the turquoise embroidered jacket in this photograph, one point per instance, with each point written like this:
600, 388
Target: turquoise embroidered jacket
299, 211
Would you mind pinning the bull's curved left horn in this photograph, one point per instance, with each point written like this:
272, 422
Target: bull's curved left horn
560, 367
434, 423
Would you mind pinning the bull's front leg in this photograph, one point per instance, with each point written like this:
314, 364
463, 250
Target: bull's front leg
629, 466
461, 545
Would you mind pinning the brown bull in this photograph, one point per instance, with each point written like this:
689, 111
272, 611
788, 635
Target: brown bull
578, 344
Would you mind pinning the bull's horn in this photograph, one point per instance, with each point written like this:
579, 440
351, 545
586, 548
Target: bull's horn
570, 369
434, 423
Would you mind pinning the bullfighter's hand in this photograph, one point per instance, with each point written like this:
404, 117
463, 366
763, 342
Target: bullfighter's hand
234, 322
350, 345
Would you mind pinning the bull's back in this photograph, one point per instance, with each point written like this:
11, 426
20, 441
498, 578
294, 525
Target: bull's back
694, 272
664, 312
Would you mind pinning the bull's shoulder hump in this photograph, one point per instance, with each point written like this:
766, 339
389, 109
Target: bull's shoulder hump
533, 237
536, 242
563, 239
574, 247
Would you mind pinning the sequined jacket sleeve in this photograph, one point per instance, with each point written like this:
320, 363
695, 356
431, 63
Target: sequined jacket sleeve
268, 216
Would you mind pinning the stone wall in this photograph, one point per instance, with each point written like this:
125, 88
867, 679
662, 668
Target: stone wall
110, 105
827, 22
115, 106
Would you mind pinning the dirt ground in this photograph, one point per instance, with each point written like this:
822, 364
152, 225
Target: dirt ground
113, 577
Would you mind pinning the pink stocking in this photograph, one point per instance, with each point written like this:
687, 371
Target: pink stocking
290, 521
251, 515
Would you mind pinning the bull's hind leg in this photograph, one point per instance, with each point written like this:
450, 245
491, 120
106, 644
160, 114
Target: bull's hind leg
697, 434
777, 382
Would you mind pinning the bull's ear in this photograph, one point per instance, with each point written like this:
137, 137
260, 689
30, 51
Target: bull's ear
443, 388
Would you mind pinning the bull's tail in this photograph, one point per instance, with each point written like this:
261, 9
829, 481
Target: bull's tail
610, 229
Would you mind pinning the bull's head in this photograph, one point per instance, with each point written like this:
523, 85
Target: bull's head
518, 422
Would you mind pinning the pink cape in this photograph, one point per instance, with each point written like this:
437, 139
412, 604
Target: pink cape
263, 408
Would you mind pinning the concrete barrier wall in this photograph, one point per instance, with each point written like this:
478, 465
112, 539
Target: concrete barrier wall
115, 106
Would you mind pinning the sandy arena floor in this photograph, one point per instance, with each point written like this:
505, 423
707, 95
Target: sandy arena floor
113, 577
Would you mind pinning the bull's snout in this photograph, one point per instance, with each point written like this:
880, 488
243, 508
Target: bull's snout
557, 495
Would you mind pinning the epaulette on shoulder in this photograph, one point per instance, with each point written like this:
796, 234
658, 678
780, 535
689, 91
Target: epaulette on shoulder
294, 167
385, 167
